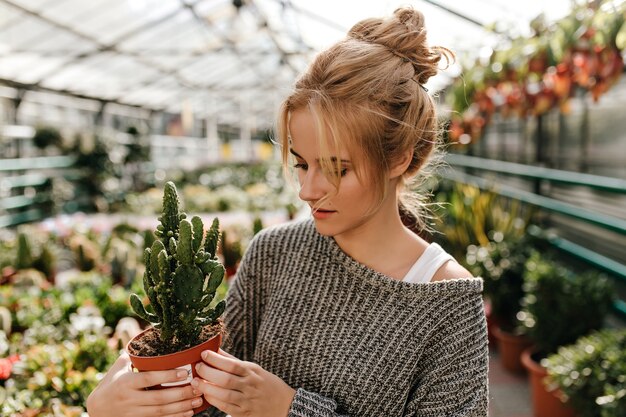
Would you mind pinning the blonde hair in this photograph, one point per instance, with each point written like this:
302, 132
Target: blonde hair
368, 92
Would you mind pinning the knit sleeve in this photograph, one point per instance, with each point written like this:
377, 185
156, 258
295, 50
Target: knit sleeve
453, 381
241, 318
244, 305
309, 404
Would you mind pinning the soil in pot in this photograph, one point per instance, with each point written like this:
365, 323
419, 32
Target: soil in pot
545, 403
148, 343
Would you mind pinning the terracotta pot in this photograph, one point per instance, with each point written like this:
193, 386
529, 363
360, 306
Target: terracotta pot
510, 348
545, 403
185, 359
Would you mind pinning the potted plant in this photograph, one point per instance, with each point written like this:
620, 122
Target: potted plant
501, 265
181, 277
559, 306
232, 252
590, 373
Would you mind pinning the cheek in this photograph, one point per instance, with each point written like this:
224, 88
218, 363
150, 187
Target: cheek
300, 174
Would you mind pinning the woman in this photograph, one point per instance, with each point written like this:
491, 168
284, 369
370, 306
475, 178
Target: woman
351, 313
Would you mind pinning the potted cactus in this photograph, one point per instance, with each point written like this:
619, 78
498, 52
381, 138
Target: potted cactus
181, 278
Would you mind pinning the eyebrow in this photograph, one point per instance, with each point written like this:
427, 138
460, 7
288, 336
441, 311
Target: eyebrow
332, 158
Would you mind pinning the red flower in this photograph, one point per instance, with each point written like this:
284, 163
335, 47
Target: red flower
6, 365
5, 368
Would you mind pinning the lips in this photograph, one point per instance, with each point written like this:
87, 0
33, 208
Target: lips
322, 214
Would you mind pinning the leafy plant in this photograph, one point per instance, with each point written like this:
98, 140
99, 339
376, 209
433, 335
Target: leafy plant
181, 277
257, 225
47, 136
35, 251
559, 306
592, 373
49, 376
501, 265
469, 216
232, 250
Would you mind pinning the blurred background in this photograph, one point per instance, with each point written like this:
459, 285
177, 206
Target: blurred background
102, 102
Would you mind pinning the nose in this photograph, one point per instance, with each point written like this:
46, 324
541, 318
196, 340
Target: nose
313, 185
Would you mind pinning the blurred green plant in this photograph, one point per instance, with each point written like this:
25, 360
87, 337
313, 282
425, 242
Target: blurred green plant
561, 305
257, 225
47, 136
466, 215
56, 375
232, 251
591, 373
501, 264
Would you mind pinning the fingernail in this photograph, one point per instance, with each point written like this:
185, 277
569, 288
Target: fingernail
195, 391
205, 354
189, 414
182, 374
197, 402
194, 383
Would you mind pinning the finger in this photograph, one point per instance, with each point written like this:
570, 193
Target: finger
169, 395
231, 365
146, 379
224, 353
121, 364
224, 399
181, 408
219, 377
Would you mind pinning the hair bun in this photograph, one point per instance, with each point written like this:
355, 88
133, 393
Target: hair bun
404, 34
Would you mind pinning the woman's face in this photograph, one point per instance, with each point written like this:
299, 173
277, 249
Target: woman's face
349, 207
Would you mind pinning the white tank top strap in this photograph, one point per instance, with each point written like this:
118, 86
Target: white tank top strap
428, 264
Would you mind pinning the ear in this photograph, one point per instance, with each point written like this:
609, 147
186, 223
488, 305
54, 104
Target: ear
401, 166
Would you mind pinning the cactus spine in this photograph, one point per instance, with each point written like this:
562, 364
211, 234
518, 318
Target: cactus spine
182, 275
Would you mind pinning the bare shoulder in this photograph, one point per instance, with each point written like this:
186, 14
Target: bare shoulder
451, 270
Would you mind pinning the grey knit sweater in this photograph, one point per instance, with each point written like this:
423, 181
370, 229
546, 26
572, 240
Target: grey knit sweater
352, 341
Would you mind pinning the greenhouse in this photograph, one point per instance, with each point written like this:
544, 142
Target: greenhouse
290, 208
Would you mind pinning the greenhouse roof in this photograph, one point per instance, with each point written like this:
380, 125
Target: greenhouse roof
220, 57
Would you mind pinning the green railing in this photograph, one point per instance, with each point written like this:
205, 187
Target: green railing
33, 174
606, 184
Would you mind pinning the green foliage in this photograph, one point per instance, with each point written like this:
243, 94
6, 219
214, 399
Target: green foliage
56, 375
250, 187
46, 261
47, 136
6, 321
232, 252
35, 252
501, 264
24, 253
559, 305
469, 216
86, 252
181, 277
592, 373
257, 225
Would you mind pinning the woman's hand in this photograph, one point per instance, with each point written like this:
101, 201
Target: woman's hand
242, 388
122, 393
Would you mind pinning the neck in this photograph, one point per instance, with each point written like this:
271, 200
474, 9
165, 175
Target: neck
383, 243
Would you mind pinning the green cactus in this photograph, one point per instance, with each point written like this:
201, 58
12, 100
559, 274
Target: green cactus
181, 277
257, 225
24, 252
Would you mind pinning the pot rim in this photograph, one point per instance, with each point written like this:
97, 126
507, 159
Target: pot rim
167, 355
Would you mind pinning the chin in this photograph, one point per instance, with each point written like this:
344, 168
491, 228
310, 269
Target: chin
325, 229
